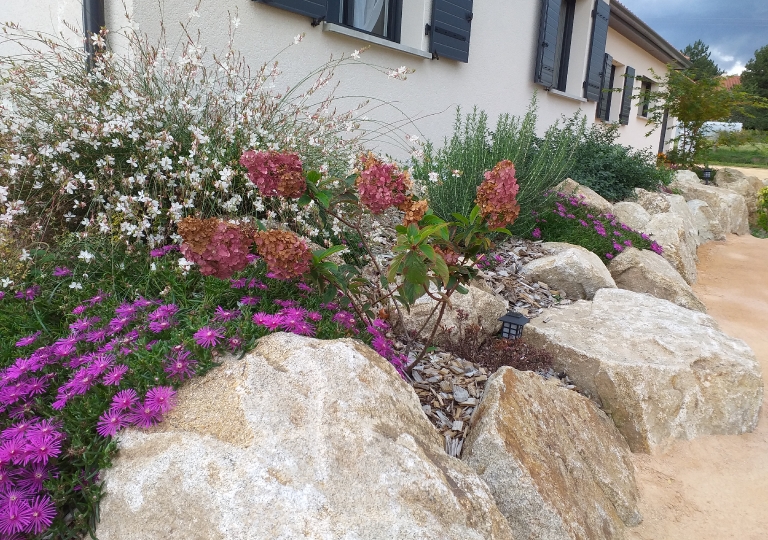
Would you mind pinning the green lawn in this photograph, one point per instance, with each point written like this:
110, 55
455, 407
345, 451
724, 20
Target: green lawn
745, 155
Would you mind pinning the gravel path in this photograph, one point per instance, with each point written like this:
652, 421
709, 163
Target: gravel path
716, 488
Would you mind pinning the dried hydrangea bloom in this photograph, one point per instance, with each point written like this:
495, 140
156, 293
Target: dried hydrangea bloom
381, 185
414, 210
497, 195
451, 257
275, 173
219, 248
287, 256
197, 233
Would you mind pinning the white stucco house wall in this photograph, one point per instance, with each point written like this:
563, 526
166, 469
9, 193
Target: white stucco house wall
493, 54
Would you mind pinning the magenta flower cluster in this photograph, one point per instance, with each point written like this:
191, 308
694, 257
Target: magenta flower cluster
381, 185
292, 318
382, 345
617, 235
27, 449
126, 409
162, 251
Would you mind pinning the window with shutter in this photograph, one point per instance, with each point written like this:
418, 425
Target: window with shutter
450, 29
626, 100
645, 104
317, 9
376, 17
547, 49
595, 64
607, 76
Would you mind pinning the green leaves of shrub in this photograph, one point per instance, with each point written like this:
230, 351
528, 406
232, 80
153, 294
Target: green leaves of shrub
614, 170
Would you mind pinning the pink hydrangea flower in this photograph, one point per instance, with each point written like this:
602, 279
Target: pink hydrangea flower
381, 185
275, 173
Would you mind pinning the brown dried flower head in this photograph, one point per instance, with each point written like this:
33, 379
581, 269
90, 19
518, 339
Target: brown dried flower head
414, 210
287, 256
197, 233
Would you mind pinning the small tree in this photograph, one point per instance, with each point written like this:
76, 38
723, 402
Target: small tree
692, 103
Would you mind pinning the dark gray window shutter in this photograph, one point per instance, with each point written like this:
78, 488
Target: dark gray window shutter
450, 29
545, 55
317, 9
597, 44
626, 100
605, 83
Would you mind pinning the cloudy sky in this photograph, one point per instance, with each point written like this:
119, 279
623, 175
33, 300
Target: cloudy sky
733, 29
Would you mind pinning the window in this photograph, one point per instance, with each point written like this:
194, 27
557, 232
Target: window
609, 95
448, 31
563, 47
646, 103
562, 57
377, 17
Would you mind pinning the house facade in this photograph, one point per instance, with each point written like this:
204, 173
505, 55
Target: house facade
493, 54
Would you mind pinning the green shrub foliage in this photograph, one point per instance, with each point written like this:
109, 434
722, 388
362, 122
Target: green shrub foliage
614, 170
450, 175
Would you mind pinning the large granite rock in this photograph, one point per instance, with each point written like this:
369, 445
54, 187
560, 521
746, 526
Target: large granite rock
577, 271
727, 175
646, 272
631, 214
301, 438
592, 198
556, 464
756, 183
705, 221
687, 176
659, 370
747, 190
679, 207
479, 307
674, 235
653, 202
729, 207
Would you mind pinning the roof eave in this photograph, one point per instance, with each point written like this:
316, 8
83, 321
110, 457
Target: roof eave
631, 27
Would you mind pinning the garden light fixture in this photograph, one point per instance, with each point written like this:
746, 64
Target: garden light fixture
706, 174
512, 325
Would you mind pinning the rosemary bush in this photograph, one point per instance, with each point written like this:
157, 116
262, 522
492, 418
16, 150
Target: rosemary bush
450, 175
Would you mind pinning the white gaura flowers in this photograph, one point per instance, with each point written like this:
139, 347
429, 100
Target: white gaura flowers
146, 138
185, 265
76, 285
86, 256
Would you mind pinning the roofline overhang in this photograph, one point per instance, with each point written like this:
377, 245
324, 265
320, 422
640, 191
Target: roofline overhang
635, 30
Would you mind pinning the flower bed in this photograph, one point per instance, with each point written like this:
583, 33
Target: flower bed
571, 220
98, 337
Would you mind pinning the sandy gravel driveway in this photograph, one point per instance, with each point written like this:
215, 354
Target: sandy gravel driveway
716, 488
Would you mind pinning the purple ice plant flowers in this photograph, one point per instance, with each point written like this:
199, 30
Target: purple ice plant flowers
208, 337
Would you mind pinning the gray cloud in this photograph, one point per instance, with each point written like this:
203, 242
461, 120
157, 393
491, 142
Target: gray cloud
733, 29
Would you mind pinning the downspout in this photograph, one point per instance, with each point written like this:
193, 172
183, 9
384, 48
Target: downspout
93, 21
